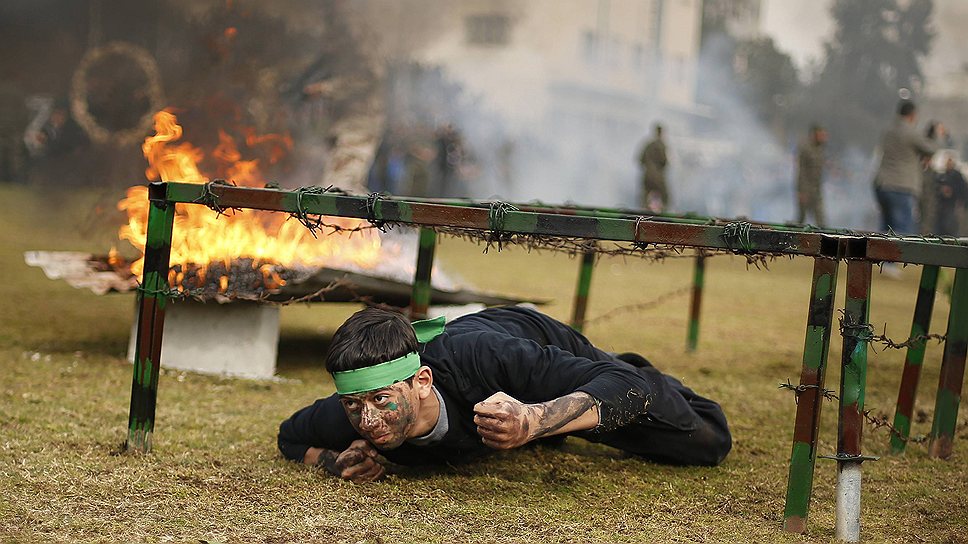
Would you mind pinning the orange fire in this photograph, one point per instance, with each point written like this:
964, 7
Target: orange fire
201, 237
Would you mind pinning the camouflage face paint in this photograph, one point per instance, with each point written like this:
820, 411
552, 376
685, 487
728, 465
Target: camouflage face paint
383, 417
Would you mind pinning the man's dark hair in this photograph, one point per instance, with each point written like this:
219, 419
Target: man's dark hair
905, 108
369, 337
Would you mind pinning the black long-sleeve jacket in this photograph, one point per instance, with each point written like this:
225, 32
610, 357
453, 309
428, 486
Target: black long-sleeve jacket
518, 351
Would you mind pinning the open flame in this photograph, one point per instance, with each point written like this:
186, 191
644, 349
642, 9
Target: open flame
202, 240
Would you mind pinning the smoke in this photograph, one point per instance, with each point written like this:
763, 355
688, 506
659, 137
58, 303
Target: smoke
536, 131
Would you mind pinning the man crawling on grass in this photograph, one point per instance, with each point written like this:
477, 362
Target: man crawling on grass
498, 379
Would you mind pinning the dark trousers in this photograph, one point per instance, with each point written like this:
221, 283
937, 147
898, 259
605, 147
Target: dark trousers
679, 426
690, 432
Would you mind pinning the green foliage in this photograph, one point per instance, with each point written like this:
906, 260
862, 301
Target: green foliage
769, 79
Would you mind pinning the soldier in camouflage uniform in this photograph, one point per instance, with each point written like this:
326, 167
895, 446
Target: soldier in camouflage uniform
655, 195
810, 158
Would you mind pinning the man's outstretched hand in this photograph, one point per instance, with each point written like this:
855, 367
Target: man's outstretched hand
357, 463
503, 421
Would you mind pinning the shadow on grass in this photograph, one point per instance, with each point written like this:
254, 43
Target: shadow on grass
301, 350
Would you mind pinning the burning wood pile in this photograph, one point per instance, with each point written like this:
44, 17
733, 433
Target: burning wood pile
248, 255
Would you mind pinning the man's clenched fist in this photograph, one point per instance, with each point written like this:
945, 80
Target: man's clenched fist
357, 463
503, 421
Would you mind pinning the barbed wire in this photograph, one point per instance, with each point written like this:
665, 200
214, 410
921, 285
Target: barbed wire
497, 211
864, 332
881, 422
639, 305
171, 293
314, 222
738, 232
875, 422
797, 389
209, 198
372, 199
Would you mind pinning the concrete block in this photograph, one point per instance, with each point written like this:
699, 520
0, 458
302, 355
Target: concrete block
238, 339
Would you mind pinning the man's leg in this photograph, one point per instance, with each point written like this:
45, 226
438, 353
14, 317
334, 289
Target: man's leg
885, 206
900, 212
679, 426
699, 437
818, 211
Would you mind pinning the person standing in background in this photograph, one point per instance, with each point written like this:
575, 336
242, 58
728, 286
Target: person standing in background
937, 133
950, 197
655, 195
899, 180
898, 183
810, 161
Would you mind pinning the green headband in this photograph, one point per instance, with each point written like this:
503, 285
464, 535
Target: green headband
378, 376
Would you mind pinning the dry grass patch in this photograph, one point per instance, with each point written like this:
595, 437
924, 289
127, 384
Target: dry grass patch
215, 474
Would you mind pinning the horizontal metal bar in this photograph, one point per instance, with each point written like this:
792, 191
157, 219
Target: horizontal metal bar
591, 224
601, 228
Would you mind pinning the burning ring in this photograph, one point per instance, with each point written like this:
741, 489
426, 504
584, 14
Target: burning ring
79, 93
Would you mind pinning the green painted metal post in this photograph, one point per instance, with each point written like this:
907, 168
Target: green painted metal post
915, 357
698, 277
152, 300
581, 293
952, 370
420, 298
810, 399
853, 383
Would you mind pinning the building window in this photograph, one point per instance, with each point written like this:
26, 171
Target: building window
489, 29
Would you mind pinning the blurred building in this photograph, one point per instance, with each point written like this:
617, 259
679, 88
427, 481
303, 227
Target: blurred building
626, 52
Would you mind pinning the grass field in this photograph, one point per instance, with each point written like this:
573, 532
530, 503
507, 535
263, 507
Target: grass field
215, 474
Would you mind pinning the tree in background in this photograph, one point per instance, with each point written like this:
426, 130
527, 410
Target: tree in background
876, 51
767, 80
739, 64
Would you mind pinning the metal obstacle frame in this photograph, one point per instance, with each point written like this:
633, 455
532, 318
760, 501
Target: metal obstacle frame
593, 225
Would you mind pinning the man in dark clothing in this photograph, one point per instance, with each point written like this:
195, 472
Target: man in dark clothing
496, 379
810, 161
655, 194
952, 193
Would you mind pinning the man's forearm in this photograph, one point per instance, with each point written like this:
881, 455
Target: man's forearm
575, 412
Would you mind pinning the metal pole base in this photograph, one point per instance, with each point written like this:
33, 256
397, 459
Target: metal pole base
848, 501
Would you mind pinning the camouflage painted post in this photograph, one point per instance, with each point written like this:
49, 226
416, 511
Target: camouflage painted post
810, 398
698, 276
952, 370
915, 356
152, 300
420, 299
581, 293
853, 381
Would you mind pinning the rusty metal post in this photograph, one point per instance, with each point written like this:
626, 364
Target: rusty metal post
584, 286
853, 380
952, 370
152, 299
698, 278
915, 357
420, 298
810, 398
